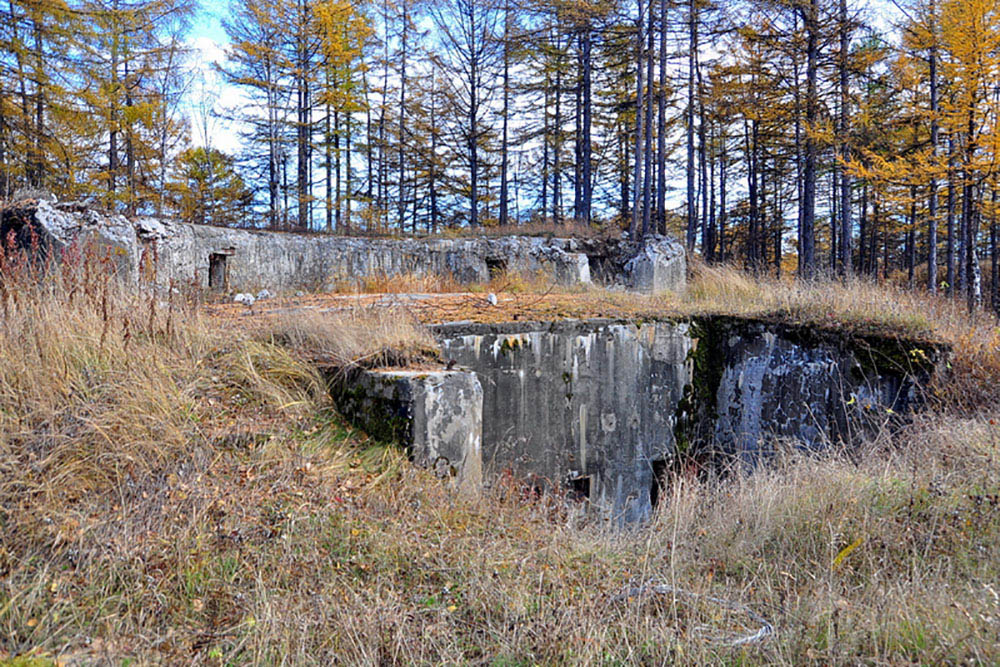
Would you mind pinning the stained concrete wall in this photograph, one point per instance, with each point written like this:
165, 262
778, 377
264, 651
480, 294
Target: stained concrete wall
767, 382
613, 402
436, 415
250, 260
578, 403
281, 262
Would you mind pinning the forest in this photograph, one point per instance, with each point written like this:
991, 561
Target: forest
808, 136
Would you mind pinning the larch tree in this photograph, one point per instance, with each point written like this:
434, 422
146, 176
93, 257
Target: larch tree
467, 30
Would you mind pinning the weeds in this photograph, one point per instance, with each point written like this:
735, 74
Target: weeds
369, 337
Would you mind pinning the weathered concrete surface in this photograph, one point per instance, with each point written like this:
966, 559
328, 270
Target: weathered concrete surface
436, 415
318, 262
588, 404
659, 264
240, 260
55, 229
612, 403
757, 384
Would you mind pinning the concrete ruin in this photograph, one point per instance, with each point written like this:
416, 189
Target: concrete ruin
602, 408
242, 260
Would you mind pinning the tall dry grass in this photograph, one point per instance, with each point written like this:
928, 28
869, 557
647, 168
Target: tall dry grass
370, 336
864, 306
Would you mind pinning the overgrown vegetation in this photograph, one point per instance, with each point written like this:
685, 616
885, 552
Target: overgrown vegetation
175, 492
365, 336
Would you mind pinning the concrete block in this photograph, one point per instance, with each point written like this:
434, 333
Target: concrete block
436, 415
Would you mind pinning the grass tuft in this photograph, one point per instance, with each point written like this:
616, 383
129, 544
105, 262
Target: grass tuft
369, 337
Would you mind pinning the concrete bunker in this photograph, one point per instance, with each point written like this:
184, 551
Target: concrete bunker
604, 409
197, 254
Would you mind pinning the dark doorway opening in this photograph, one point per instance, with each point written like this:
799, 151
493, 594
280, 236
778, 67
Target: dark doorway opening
496, 266
579, 488
217, 271
658, 483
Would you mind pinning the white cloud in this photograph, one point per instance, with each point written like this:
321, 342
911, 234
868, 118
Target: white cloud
209, 93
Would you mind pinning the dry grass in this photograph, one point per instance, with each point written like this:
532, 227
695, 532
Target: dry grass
858, 305
862, 306
174, 494
367, 336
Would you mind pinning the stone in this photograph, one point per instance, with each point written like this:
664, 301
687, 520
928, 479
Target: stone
658, 265
57, 231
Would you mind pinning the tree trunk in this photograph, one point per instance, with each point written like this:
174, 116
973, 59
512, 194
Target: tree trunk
661, 127
401, 198
807, 261
950, 248
647, 182
348, 174
911, 238
750, 138
709, 254
863, 229
504, 147
328, 162
994, 267
38, 143
639, 107
722, 199
845, 176
703, 166
587, 167
557, 142
798, 146
302, 127
578, 131
932, 200
369, 141
692, 214
338, 191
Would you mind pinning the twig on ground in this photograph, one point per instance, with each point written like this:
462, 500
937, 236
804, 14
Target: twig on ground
766, 629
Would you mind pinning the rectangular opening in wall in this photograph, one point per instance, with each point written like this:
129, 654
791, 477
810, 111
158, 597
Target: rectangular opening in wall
579, 488
496, 266
598, 269
658, 483
217, 271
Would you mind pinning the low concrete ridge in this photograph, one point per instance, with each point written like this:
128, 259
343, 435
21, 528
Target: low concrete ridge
247, 260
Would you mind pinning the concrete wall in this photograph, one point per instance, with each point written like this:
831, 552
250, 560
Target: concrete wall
282, 262
584, 403
767, 383
436, 415
248, 260
604, 405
